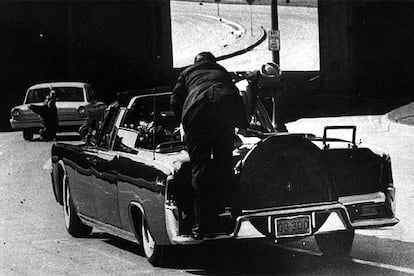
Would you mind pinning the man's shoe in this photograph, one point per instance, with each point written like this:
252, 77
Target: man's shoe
211, 235
281, 128
196, 232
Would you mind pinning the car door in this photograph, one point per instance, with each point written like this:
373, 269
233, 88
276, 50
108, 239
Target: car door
104, 168
83, 185
95, 190
104, 165
139, 177
140, 180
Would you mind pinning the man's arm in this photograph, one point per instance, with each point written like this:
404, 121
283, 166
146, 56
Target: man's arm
38, 109
179, 94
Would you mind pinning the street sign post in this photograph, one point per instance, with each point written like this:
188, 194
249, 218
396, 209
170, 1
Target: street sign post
218, 8
274, 40
274, 27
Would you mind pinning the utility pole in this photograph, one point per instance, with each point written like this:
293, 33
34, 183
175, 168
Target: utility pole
274, 46
250, 2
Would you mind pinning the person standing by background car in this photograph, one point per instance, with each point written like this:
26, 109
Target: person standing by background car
210, 107
48, 116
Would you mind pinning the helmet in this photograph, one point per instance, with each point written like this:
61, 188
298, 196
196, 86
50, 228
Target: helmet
204, 56
270, 70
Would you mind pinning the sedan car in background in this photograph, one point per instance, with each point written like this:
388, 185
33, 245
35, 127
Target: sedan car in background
132, 179
75, 102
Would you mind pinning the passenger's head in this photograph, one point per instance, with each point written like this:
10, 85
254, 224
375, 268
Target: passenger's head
269, 78
204, 56
270, 70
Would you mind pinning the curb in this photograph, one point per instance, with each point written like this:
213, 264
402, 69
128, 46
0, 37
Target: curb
262, 38
396, 128
241, 30
233, 25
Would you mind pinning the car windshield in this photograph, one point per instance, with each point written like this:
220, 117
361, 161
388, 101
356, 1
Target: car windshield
147, 124
63, 94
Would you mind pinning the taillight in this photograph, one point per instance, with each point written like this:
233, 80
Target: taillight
389, 189
390, 201
81, 110
171, 189
15, 113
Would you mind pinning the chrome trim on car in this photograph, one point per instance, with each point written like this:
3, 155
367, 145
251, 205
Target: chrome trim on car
298, 208
115, 231
333, 223
171, 223
381, 222
355, 199
373, 198
139, 205
131, 220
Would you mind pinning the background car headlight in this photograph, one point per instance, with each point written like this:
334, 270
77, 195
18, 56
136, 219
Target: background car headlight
15, 113
81, 110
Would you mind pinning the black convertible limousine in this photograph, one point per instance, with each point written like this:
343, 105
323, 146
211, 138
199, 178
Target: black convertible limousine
132, 180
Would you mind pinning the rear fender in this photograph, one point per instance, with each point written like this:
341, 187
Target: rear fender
58, 172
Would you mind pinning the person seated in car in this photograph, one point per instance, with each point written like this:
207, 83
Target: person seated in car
264, 84
154, 130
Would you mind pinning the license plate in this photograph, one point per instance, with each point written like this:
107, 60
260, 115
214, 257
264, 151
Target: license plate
293, 226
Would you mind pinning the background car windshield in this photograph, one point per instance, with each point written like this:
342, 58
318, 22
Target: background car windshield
63, 94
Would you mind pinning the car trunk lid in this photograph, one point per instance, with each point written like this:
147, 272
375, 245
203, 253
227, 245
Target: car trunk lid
283, 170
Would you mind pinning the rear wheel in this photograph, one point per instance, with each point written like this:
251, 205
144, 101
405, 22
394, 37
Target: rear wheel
335, 244
153, 252
28, 134
73, 224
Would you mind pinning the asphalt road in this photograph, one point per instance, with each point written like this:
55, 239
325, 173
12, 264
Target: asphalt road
33, 240
298, 31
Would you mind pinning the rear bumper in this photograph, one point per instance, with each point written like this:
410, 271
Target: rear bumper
319, 214
371, 210
375, 223
324, 217
18, 125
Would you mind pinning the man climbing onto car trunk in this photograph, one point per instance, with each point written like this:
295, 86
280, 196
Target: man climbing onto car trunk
210, 107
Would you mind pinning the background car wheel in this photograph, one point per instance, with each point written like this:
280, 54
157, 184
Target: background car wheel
28, 134
73, 224
154, 253
335, 244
